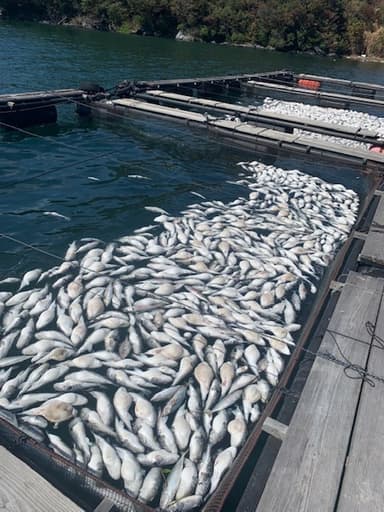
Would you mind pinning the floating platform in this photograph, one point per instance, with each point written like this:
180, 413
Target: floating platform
32, 99
39, 107
207, 82
24, 490
261, 117
330, 459
324, 99
325, 91
248, 134
373, 252
350, 87
25, 109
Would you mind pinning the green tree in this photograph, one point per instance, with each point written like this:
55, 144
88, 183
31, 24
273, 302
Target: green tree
339, 26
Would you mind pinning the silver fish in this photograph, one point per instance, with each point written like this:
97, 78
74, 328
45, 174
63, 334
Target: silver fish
128, 439
151, 485
131, 472
158, 458
172, 483
110, 457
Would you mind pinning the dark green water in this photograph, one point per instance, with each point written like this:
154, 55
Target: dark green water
176, 159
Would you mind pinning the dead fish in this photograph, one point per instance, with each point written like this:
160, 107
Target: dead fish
222, 462
110, 457
204, 375
56, 214
151, 485
158, 458
172, 483
130, 472
55, 411
174, 403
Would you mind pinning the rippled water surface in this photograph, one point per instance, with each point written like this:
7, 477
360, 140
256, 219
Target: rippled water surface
84, 169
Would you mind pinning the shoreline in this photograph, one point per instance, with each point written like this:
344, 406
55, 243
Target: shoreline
361, 58
92, 24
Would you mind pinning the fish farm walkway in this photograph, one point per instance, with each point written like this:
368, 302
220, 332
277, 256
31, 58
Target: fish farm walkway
24, 490
330, 458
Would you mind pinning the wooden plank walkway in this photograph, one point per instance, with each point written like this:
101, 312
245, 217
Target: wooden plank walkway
221, 79
339, 81
254, 114
362, 487
24, 490
359, 90
372, 252
308, 471
338, 99
249, 133
8, 102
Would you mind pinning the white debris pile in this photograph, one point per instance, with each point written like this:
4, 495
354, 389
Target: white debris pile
334, 140
340, 117
157, 352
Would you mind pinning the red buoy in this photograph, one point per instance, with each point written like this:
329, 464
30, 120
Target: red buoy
309, 84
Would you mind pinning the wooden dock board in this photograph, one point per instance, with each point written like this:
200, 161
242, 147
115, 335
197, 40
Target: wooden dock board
221, 79
378, 219
265, 115
251, 133
23, 490
273, 77
362, 487
307, 471
10, 103
340, 81
160, 110
372, 251
337, 97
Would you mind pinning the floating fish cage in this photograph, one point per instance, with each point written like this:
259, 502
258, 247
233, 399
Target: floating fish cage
88, 490
73, 478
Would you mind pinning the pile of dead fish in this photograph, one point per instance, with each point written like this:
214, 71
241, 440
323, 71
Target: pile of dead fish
147, 360
329, 115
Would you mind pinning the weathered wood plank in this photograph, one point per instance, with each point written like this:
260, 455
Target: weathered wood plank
362, 487
105, 505
40, 95
275, 428
23, 490
223, 79
307, 471
161, 110
372, 251
255, 114
316, 94
360, 236
336, 286
248, 132
378, 219
340, 81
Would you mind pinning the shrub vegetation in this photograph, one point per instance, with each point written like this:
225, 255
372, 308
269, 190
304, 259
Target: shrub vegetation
320, 26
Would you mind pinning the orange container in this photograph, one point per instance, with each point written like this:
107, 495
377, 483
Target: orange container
309, 84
